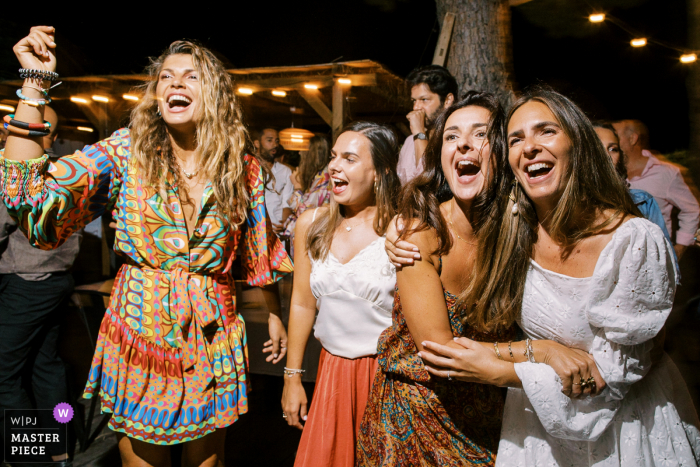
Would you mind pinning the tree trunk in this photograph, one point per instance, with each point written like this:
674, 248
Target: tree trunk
693, 86
480, 54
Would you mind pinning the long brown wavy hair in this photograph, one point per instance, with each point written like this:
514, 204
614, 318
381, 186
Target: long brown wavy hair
421, 198
221, 136
314, 161
384, 147
495, 295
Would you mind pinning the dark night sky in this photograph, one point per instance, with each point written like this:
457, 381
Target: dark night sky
553, 42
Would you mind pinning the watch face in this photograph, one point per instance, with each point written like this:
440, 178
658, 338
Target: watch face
420, 136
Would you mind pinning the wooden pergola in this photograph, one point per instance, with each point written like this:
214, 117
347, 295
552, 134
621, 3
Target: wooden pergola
321, 98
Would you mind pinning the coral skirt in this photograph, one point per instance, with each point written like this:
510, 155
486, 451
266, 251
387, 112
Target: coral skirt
342, 389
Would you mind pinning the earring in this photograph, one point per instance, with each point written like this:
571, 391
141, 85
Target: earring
375, 187
158, 112
514, 210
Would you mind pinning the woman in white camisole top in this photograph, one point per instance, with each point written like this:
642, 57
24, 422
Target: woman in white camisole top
343, 271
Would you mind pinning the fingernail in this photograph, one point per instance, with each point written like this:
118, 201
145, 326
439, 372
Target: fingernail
455, 338
275, 355
416, 249
420, 354
417, 256
304, 418
423, 343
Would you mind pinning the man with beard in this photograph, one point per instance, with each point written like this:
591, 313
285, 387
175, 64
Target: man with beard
279, 189
433, 89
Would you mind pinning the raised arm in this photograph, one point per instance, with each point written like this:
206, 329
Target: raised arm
301, 320
36, 52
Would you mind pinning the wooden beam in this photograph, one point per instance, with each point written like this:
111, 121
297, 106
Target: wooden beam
293, 82
312, 97
440, 56
338, 109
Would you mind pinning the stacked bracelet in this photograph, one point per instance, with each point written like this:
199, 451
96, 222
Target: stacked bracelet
510, 351
22, 132
289, 372
45, 92
498, 352
25, 73
34, 102
529, 352
10, 120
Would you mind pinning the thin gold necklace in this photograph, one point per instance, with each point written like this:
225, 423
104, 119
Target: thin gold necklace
454, 230
350, 227
187, 174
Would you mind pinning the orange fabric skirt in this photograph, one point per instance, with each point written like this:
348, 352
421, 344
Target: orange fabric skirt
340, 397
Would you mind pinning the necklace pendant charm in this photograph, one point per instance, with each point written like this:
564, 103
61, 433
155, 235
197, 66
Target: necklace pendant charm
348, 229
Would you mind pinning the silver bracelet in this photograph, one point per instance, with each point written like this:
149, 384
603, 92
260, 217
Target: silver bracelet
289, 372
529, 352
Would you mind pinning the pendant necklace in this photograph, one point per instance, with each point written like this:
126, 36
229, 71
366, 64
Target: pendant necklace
350, 227
186, 174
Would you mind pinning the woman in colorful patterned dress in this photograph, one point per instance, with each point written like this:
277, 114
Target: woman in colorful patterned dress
171, 358
414, 418
311, 183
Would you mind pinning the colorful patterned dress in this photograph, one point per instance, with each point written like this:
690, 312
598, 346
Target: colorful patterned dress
318, 194
415, 419
171, 357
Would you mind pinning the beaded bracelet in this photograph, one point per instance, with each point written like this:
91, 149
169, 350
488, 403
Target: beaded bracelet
34, 102
22, 132
289, 372
38, 74
10, 120
529, 352
45, 92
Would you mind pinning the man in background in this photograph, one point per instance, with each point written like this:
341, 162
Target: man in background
279, 189
433, 89
662, 180
34, 288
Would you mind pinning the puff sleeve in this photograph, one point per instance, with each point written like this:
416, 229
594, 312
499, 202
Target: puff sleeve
630, 297
51, 200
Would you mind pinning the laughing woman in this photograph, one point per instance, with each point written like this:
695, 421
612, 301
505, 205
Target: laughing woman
170, 362
343, 271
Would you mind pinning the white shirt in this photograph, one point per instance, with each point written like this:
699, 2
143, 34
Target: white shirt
354, 300
278, 192
644, 417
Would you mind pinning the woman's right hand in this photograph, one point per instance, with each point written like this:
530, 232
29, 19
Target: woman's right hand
572, 366
400, 253
294, 402
37, 50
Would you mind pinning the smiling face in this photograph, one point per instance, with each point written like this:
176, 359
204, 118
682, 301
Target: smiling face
610, 143
465, 151
178, 93
352, 170
538, 153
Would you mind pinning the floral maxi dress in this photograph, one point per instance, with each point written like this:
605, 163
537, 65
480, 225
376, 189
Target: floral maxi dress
171, 357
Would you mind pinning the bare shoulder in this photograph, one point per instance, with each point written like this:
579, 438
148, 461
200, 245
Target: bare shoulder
425, 239
308, 216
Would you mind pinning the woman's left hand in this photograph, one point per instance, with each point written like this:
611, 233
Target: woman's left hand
277, 345
472, 362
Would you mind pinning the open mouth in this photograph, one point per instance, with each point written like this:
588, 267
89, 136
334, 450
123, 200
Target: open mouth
178, 102
339, 185
467, 168
539, 169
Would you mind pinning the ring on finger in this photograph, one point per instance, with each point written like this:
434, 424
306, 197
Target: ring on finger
449, 378
284, 415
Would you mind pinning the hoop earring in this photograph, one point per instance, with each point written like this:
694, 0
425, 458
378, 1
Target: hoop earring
515, 209
158, 112
375, 187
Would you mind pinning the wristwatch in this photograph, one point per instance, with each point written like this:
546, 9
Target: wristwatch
420, 136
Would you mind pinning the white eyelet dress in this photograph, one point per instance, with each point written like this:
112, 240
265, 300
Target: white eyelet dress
645, 416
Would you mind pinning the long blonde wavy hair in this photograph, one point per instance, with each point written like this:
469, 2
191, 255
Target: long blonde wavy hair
221, 136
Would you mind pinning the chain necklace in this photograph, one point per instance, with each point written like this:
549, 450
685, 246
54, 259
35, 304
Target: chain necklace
350, 227
186, 174
454, 230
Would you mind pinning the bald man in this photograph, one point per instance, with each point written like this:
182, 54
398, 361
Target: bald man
663, 180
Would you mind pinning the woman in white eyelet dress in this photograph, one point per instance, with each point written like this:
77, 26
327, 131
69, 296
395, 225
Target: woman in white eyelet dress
644, 417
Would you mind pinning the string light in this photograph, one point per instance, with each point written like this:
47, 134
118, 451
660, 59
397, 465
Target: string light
310, 86
100, 99
688, 58
279, 93
7, 108
78, 100
641, 42
86, 129
597, 18
130, 97
245, 91
344, 81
